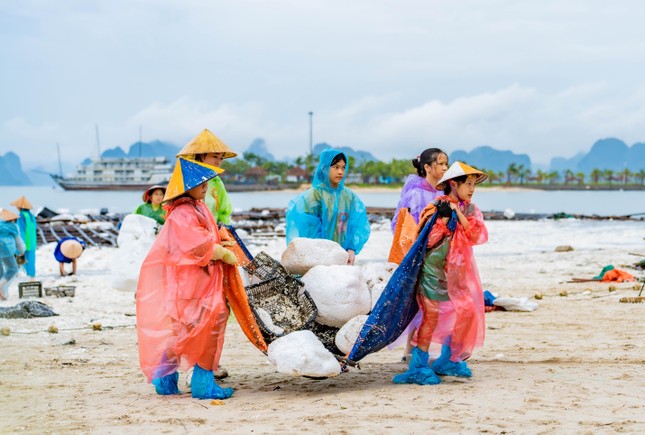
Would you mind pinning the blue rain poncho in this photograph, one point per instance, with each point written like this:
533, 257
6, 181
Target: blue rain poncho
323, 212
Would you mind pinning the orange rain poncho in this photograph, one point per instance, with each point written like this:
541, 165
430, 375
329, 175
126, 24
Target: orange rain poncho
181, 307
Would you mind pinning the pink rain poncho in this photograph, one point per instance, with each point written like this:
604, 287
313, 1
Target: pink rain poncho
416, 194
181, 307
450, 292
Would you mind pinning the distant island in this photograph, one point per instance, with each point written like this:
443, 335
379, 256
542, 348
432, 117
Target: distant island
609, 164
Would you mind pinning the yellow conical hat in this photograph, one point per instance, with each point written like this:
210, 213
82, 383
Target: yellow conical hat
188, 174
206, 142
6, 215
458, 169
22, 202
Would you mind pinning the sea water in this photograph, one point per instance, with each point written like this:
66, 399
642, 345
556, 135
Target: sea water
602, 203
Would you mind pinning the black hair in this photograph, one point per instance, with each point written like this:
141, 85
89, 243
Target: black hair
459, 180
427, 157
337, 158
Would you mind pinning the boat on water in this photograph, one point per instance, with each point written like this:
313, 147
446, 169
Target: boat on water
123, 173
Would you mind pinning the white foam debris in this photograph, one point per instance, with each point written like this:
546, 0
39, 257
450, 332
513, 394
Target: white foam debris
136, 237
268, 321
302, 254
376, 276
338, 292
302, 354
347, 335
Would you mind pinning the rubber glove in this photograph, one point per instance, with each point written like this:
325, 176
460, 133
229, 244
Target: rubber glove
221, 253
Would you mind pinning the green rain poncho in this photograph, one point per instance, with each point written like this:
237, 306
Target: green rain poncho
146, 209
218, 202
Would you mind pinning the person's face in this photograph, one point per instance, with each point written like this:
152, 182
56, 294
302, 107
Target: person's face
437, 168
199, 192
466, 189
336, 173
156, 197
213, 159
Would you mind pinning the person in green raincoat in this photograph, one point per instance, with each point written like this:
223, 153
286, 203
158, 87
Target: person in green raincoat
210, 149
151, 206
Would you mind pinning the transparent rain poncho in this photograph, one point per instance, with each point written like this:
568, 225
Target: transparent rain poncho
416, 194
181, 305
323, 212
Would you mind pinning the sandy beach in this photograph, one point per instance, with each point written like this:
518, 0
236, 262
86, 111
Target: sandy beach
575, 365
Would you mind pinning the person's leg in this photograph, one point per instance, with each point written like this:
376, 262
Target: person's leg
203, 385
61, 268
2, 281
10, 270
74, 267
419, 371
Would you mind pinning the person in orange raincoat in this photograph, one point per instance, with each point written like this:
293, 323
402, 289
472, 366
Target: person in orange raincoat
449, 290
181, 305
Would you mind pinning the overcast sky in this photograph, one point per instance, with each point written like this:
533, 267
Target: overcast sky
546, 78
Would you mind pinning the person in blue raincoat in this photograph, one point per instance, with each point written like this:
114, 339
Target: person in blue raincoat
10, 245
28, 226
329, 210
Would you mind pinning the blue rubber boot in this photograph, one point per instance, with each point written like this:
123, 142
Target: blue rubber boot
203, 385
167, 385
419, 372
443, 366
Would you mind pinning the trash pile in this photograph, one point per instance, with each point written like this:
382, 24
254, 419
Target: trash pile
343, 296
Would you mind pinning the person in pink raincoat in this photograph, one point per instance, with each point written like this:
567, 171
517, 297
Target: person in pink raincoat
449, 290
181, 306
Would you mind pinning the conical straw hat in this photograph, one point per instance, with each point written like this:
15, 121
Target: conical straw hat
22, 202
206, 142
6, 215
146, 195
188, 174
458, 169
71, 248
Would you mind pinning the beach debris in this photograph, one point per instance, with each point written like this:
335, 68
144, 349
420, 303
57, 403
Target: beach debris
516, 304
27, 310
376, 276
136, 237
564, 248
268, 322
61, 291
338, 292
633, 300
217, 402
5, 330
302, 254
509, 213
302, 354
97, 326
538, 295
53, 329
347, 335
564, 293
612, 288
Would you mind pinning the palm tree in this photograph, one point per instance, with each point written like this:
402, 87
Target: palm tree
568, 176
625, 174
641, 175
581, 177
553, 176
510, 172
609, 175
523, 172
595, 175
541, 176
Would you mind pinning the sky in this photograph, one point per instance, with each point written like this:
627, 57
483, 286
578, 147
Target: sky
546, 78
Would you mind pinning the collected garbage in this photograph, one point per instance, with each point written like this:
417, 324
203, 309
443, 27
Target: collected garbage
27, 310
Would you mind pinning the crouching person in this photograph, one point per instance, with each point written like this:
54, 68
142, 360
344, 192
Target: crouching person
181, 307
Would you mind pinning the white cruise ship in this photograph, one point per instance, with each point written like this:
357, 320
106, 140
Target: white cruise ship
127, 173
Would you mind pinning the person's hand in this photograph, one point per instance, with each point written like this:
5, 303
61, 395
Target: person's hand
221, 253
351, 258
228, 243
453, 206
